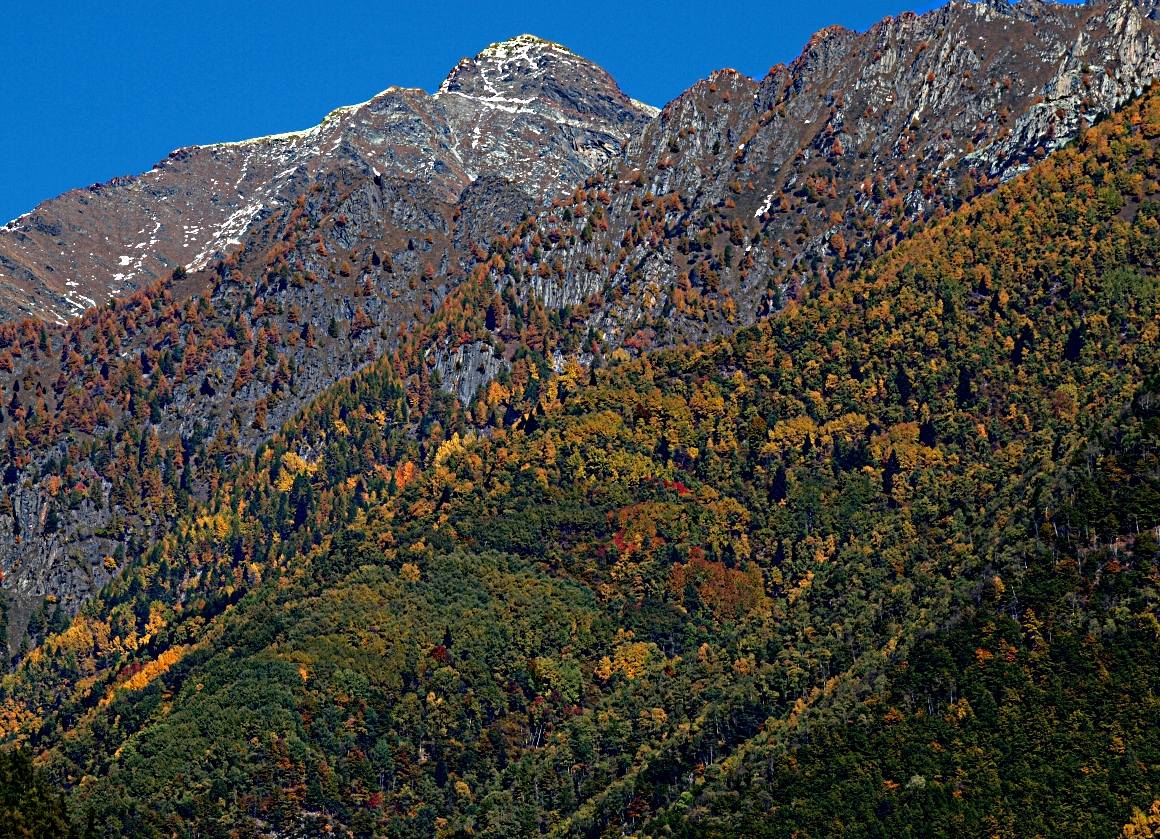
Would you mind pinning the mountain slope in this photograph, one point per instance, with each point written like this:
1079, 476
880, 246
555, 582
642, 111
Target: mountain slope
659, 247
944, 464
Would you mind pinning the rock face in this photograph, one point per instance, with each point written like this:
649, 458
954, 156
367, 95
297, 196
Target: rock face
535, 112
312, 253
825, 162
527, 110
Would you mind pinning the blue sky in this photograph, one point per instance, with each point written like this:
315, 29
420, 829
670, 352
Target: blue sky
94, 90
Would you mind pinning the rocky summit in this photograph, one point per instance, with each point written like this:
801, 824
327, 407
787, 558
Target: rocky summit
979, 87
527, 110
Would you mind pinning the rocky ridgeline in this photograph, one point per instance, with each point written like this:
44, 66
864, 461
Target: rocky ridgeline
527, 110
827, 161
655, 229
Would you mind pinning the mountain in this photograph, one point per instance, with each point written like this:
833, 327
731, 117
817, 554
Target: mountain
527, 110
790, 467
714, 214
882, 564
934, 104
524, 112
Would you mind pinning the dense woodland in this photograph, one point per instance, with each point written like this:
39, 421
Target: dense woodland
29, 807
884, 564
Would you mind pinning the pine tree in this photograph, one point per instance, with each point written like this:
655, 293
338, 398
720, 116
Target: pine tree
778, 487
889, 471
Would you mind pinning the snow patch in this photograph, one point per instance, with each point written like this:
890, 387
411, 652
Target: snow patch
765, 205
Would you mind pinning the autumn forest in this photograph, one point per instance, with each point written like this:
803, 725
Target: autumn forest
883, 563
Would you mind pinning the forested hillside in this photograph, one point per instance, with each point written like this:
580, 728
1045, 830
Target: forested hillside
249, 277
883, 564
29, 807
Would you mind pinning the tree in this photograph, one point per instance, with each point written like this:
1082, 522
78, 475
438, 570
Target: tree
838, 243
964, 390
51, 520
902, 383
889, 471
1143, 825
778, 487
1075, 343
928, 434
361, 322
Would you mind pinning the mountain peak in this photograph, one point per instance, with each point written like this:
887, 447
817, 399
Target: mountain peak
519, 46
529, 75
506, 98
517, 63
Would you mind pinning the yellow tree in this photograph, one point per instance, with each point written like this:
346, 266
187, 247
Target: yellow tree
1143, 825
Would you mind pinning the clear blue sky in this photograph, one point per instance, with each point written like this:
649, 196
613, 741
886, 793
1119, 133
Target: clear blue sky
94, 90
